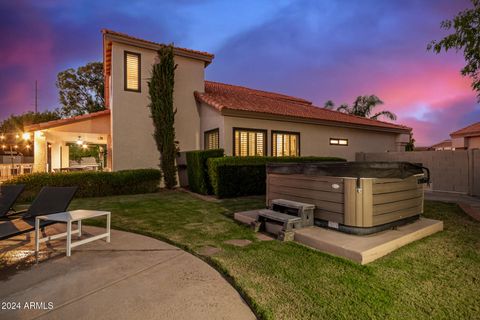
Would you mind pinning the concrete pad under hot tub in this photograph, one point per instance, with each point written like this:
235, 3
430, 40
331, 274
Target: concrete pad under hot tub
365, 249
361, 249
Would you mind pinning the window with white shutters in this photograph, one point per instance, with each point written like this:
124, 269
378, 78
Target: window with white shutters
132, 71
249, 142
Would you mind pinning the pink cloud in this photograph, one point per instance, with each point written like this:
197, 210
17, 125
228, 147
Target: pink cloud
27, 56
428, 94
430, 86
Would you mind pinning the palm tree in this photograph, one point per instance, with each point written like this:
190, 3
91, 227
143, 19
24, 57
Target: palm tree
329, 104
363, 106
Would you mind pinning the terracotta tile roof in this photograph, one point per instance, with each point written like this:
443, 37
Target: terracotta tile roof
217, 87
471, 130
61, 122
206, 55
230, 97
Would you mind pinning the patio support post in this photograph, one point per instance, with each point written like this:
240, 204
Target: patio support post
109, 153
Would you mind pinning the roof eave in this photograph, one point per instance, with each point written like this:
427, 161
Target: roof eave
66, 121
153, 46
465, 135
260, 115
269, 116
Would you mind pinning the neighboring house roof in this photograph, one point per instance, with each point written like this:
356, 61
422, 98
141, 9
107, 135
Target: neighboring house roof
114, 35
225, 97
468, 131
62, 122
444, 144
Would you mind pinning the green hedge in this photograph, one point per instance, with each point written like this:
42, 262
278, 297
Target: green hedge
240, 176
92, 183
197, 169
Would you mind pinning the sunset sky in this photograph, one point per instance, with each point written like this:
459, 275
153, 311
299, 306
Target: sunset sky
317, 50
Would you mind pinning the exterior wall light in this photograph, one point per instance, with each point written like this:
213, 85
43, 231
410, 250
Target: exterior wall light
26, 136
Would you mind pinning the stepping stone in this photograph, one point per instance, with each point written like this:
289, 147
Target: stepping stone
238, 242
264, 237
209, 251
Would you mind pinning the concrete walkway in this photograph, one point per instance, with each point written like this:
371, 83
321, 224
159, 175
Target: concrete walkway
133, 277
471, 205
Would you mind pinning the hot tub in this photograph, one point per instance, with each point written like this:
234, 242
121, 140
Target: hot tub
353, 197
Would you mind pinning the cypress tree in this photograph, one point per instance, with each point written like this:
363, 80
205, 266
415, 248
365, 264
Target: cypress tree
160, 89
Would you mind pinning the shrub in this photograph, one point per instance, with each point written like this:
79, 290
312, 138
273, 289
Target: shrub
92, 183
240, 176
198, 180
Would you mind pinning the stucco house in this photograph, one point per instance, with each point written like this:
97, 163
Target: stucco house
445, 145
241, 120
467, 138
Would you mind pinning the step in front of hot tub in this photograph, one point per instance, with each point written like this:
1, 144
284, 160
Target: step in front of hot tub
365, 249
289, 222
250, 217
246, 217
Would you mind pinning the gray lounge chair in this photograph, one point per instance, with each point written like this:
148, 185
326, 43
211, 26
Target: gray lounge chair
49, 200
8, 195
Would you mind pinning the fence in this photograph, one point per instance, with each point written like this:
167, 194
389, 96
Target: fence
451, 171
8, 171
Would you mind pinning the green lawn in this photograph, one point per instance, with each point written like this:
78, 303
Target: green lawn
434, 278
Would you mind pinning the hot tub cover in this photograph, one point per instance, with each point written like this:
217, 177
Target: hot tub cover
355, 169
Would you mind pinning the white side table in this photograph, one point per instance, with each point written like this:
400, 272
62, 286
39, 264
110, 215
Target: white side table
69, 217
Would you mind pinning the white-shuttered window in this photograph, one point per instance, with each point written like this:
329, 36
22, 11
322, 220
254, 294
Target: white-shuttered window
249, 142
132, 71
285, 144
212, 139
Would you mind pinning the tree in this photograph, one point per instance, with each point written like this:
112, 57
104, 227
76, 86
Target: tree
11, 130
160, 88
329, 104
466, 37
363, 107
16, 124
82, 90
410, 146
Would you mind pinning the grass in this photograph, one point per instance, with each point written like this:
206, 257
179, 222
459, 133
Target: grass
434, 278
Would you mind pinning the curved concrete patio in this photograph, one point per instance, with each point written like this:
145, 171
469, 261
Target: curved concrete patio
133, 277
